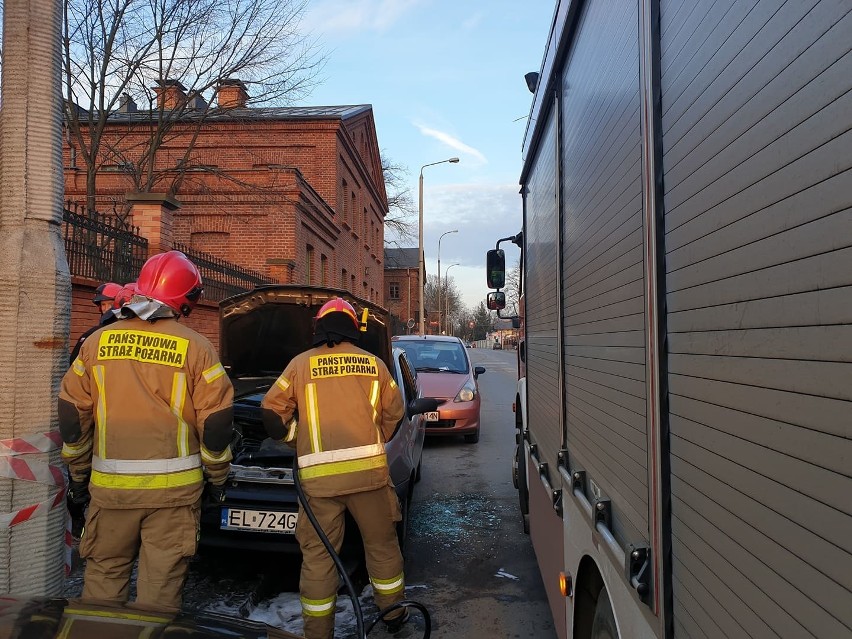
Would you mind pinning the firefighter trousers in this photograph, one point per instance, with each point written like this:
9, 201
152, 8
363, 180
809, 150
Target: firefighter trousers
376, 513
163, 539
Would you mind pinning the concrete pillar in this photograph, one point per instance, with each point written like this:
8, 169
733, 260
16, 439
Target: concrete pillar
35, 289
153, 213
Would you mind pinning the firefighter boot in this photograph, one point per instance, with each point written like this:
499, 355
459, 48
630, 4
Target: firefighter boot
395, 625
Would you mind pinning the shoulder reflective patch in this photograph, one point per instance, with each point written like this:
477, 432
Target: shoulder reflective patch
392, 384
283, 382
343, 366
142, 346
79, 367
213, 373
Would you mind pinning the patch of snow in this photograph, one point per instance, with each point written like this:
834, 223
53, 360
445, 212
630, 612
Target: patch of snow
505, 575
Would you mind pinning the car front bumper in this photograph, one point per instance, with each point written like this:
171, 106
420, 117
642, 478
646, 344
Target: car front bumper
456, 418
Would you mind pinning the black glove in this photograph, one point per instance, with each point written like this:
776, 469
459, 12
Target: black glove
78, 493
214, 493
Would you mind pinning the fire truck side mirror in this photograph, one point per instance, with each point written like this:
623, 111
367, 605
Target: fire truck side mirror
495, 268
496, 301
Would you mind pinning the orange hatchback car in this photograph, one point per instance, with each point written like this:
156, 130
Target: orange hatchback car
444, 372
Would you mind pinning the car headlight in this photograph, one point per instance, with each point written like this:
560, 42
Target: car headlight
466, 394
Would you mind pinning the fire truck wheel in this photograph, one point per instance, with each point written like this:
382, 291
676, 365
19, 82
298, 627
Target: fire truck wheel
523, 493
603, 624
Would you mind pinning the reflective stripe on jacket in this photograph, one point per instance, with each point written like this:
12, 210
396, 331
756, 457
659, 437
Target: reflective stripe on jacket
146, 405
348, 406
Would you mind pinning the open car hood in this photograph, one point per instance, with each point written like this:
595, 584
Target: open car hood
262, 330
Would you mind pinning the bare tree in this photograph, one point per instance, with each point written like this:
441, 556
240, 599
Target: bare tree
513, 288
122, 52
401, 221
450, 298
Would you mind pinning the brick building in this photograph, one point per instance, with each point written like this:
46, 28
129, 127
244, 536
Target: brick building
294, 193
401, 287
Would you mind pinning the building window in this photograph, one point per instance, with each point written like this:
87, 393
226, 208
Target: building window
309, 264
393, 292
344, 280
354, 209
352, 281
366, 222
323, 270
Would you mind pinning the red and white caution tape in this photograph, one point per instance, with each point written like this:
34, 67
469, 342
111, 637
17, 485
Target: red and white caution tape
13, 467
40, 472
69, 542
31, 444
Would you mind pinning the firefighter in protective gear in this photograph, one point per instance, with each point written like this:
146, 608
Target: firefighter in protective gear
348, 406
104, 299
144, 412
77, 499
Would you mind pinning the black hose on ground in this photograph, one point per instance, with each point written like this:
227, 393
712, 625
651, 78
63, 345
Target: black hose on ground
356, 604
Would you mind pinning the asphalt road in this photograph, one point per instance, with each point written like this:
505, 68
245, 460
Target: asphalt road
467, 558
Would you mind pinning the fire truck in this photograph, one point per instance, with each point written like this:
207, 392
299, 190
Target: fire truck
684, 416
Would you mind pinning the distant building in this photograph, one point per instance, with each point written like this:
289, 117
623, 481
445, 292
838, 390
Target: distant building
294, 193
402, 286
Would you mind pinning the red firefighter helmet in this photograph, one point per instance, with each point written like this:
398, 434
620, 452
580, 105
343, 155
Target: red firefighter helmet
338, 305
172, 279
125, 294
336, 322
106, 292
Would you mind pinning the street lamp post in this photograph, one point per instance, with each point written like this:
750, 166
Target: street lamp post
439, 275
422, 262
447, 314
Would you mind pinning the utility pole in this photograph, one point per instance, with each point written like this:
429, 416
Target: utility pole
35, 292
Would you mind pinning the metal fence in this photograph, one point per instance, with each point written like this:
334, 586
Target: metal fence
221, 278
102, 247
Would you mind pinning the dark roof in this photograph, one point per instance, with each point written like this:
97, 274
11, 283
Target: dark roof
340, 112
401, 258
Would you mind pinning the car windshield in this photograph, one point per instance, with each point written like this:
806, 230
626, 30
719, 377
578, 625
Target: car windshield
435, 356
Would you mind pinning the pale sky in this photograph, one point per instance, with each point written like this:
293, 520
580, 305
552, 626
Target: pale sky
445, 78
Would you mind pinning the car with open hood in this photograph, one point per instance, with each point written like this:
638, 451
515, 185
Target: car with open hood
444, 371
260, 332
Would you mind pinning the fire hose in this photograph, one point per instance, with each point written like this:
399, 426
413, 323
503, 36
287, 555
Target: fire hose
356, 604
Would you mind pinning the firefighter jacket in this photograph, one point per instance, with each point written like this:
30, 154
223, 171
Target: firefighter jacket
107, 318
348, 406
143, 407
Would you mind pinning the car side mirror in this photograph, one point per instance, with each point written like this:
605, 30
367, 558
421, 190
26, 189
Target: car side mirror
496, 301
422, 405
495, 268
479, 370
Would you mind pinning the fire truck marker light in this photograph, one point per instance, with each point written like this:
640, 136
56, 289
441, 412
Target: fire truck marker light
565, 585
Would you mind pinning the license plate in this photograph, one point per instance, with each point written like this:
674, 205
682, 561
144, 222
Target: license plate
259, 520
434, 416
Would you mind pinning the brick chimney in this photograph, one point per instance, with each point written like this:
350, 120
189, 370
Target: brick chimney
232, 94
171, 94
126, 104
